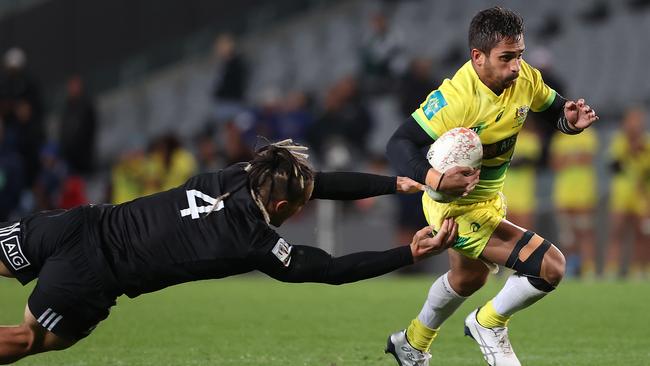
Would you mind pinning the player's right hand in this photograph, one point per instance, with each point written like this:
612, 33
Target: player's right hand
425, 244
459, 181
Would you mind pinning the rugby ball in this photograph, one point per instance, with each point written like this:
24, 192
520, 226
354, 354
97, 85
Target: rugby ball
457, 147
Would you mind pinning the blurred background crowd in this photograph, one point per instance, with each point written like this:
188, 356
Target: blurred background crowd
109, 101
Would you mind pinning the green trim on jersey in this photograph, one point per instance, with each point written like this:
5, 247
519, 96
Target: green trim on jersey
493, 172
424, 125
549, 101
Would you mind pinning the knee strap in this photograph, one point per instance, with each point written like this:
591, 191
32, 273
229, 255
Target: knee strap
532, 266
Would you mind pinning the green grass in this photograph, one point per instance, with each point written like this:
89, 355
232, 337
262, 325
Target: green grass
257, 321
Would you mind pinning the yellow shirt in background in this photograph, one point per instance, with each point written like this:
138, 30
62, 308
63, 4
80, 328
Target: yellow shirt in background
520, 185
575, 184
626, 195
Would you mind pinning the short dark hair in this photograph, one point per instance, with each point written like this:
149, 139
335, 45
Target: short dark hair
492, 25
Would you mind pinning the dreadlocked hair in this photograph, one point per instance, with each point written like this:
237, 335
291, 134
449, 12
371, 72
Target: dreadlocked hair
279, 171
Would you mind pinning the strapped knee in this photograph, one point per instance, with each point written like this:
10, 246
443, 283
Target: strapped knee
531, 267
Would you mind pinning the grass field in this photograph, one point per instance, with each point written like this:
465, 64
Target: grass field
256, 321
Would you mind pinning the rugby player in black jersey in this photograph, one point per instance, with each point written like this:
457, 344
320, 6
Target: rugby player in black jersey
213, 226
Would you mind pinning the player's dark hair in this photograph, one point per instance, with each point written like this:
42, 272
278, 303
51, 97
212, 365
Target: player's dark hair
279, 171
490, 26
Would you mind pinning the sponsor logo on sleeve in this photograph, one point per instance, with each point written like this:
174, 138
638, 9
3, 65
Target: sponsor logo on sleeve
11, 247
435, 102
282, 250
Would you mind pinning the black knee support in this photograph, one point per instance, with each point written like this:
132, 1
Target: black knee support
532, 266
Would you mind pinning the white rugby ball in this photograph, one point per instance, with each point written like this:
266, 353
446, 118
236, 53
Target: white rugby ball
457, 147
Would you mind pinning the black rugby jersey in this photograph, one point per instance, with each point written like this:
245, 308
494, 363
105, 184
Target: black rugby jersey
169, 238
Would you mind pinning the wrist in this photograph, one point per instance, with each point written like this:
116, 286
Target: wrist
433, 179
414, 256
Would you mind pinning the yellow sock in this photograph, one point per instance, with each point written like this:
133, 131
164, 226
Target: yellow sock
588, 269
420, 336
489, 318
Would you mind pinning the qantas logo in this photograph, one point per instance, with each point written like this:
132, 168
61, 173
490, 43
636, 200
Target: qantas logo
11, 247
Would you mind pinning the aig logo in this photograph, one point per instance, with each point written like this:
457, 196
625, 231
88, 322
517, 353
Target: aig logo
11, 247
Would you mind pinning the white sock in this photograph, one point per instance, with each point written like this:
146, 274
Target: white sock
515, 295
441, 302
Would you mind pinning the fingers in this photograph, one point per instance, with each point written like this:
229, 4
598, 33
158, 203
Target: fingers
570, 105
453, 234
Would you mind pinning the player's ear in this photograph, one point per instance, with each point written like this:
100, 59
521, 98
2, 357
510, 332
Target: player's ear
278, 206
478, 57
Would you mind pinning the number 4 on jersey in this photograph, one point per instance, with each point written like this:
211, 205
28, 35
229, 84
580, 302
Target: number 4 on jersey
195, 210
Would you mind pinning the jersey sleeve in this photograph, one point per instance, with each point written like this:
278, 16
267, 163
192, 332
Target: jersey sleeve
543, 95
439, 113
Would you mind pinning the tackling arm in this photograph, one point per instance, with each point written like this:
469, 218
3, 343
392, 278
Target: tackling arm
309, 264
351, 185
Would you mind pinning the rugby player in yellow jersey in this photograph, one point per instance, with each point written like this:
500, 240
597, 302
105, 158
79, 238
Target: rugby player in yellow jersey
491, 94
629, 155
572, 159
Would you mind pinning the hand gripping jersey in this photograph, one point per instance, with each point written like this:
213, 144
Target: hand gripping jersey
464, 101
179, 235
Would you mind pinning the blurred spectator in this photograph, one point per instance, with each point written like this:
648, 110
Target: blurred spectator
266, 121
169, 164
629, 154
521, 183
30, 137
575, 198
296, 118
48, 185
416, 84
235, 149
382, 56
77, 128
73, 192
11, 176
207, 154
230, 81
344, 124
128, 176
23, 110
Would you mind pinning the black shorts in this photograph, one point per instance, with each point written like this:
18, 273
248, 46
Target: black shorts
69, 299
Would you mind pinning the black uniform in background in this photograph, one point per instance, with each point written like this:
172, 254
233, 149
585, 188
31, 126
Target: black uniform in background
86, 257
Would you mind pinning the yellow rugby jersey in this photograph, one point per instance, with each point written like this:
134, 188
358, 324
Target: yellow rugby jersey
566, 195
521, 184
464, 101
626, 193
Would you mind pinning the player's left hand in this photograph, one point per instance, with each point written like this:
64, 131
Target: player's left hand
408, 185
579, 114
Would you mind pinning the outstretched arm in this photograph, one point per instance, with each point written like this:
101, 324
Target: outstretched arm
309, 264
354, 186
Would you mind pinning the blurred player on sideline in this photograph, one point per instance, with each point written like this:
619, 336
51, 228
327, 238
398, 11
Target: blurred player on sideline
629, 160
521, 185
213, 226
572, 159
491, 94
